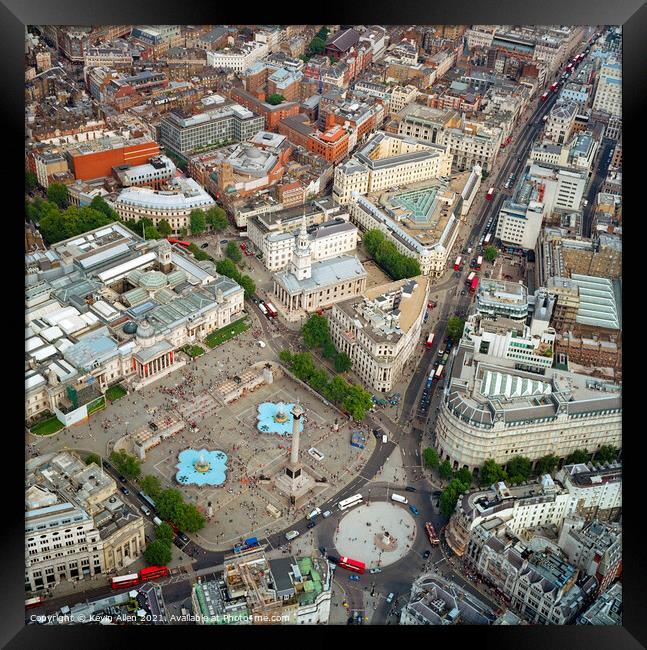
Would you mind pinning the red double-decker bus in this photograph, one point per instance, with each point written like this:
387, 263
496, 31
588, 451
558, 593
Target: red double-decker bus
490, 194
457, 263
431, 534
352, 565
121, 582
430, 340
153, 572
34, 602
181, 242
475, 283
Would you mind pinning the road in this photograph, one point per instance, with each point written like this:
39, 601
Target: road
601, 169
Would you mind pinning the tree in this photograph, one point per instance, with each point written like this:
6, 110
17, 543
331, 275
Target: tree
233, 252
198, 222
152, 233
455, 326
275, 99
193, 519
226, 267
31, 181
93, 458
302, 365
317, 45
165, 533
430, 457
491, 472
151, 485
126, 464
578, 456
337, 389
464, 476
546, 464
216, 217
445, 469
248, 285
357, 402
491, 253
99, 204
168, 504
519, 469
606, 454
329, 351
157, 553
450, 495
315, 331
343, 362
58, 194
319, 380
164, 228
286, 357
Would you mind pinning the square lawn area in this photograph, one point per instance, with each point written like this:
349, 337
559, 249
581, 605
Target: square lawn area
52, 425
225, 333
115, 392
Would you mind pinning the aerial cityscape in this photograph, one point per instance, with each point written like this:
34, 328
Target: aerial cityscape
323, 325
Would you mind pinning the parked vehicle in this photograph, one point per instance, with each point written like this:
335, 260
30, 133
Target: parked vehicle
310, 525
291, 535
326, 514
410, 488
414, 510
390, 597
354, 578
125, 490
376, 570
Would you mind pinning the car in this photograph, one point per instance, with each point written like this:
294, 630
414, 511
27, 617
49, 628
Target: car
437, 493
354, 578
310, 525
153, 426
224, 241
332, 558
410, 488
122, 478
146, 511
326, 514
205, 244
377, 433
426, 555
414, 510
125, 490
376, 570
322, 550
183, 538
390, 597
180, 544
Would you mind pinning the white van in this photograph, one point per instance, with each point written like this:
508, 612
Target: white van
157, 521
398, 498
291, 535
146, 511
313, 514
384, 439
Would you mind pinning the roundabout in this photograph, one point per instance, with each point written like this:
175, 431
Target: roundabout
378, 534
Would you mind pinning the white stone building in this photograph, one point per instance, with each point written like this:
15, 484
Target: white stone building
608, 95
381, 330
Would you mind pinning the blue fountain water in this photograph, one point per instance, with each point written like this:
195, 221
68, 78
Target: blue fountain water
266, 422
189, 475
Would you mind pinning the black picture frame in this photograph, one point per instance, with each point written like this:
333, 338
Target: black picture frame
16, 14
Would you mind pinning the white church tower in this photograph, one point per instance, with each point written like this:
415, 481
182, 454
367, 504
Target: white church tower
301, 265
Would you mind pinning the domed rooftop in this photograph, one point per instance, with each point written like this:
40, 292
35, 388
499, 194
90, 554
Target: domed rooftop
153, 280
130, 327
145, 330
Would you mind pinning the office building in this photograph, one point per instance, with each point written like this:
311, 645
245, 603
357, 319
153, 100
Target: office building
608, 95
381, 330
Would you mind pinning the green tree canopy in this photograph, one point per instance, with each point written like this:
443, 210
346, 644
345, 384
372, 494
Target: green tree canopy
275, 99
491, 472
578, 456
319, 380
491, 253
157, 553
329, 351
450, 495
191, 518
357, 402
606, 454
233, 252
248, 285
430, 457
151, 485
126, 464
337, 389
445, 469
164, 228
315, 331
343, 362
93, 458
227, 267
455, 326
519, 469
165, 533
168, 504
464, 476
31, 181
217, 218
385, 253
99, 204
58, 194
302, 365
198, 222
317, 45
546, 464
286, 357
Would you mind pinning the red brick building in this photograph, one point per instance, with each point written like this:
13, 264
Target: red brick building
331, 144
88, 163
340, 43
272, 114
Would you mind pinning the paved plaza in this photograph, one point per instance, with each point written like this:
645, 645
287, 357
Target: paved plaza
239, 506
361, 533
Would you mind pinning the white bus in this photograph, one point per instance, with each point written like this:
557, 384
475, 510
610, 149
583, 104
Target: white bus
439, 371
355, 500
261, 306
398, 498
